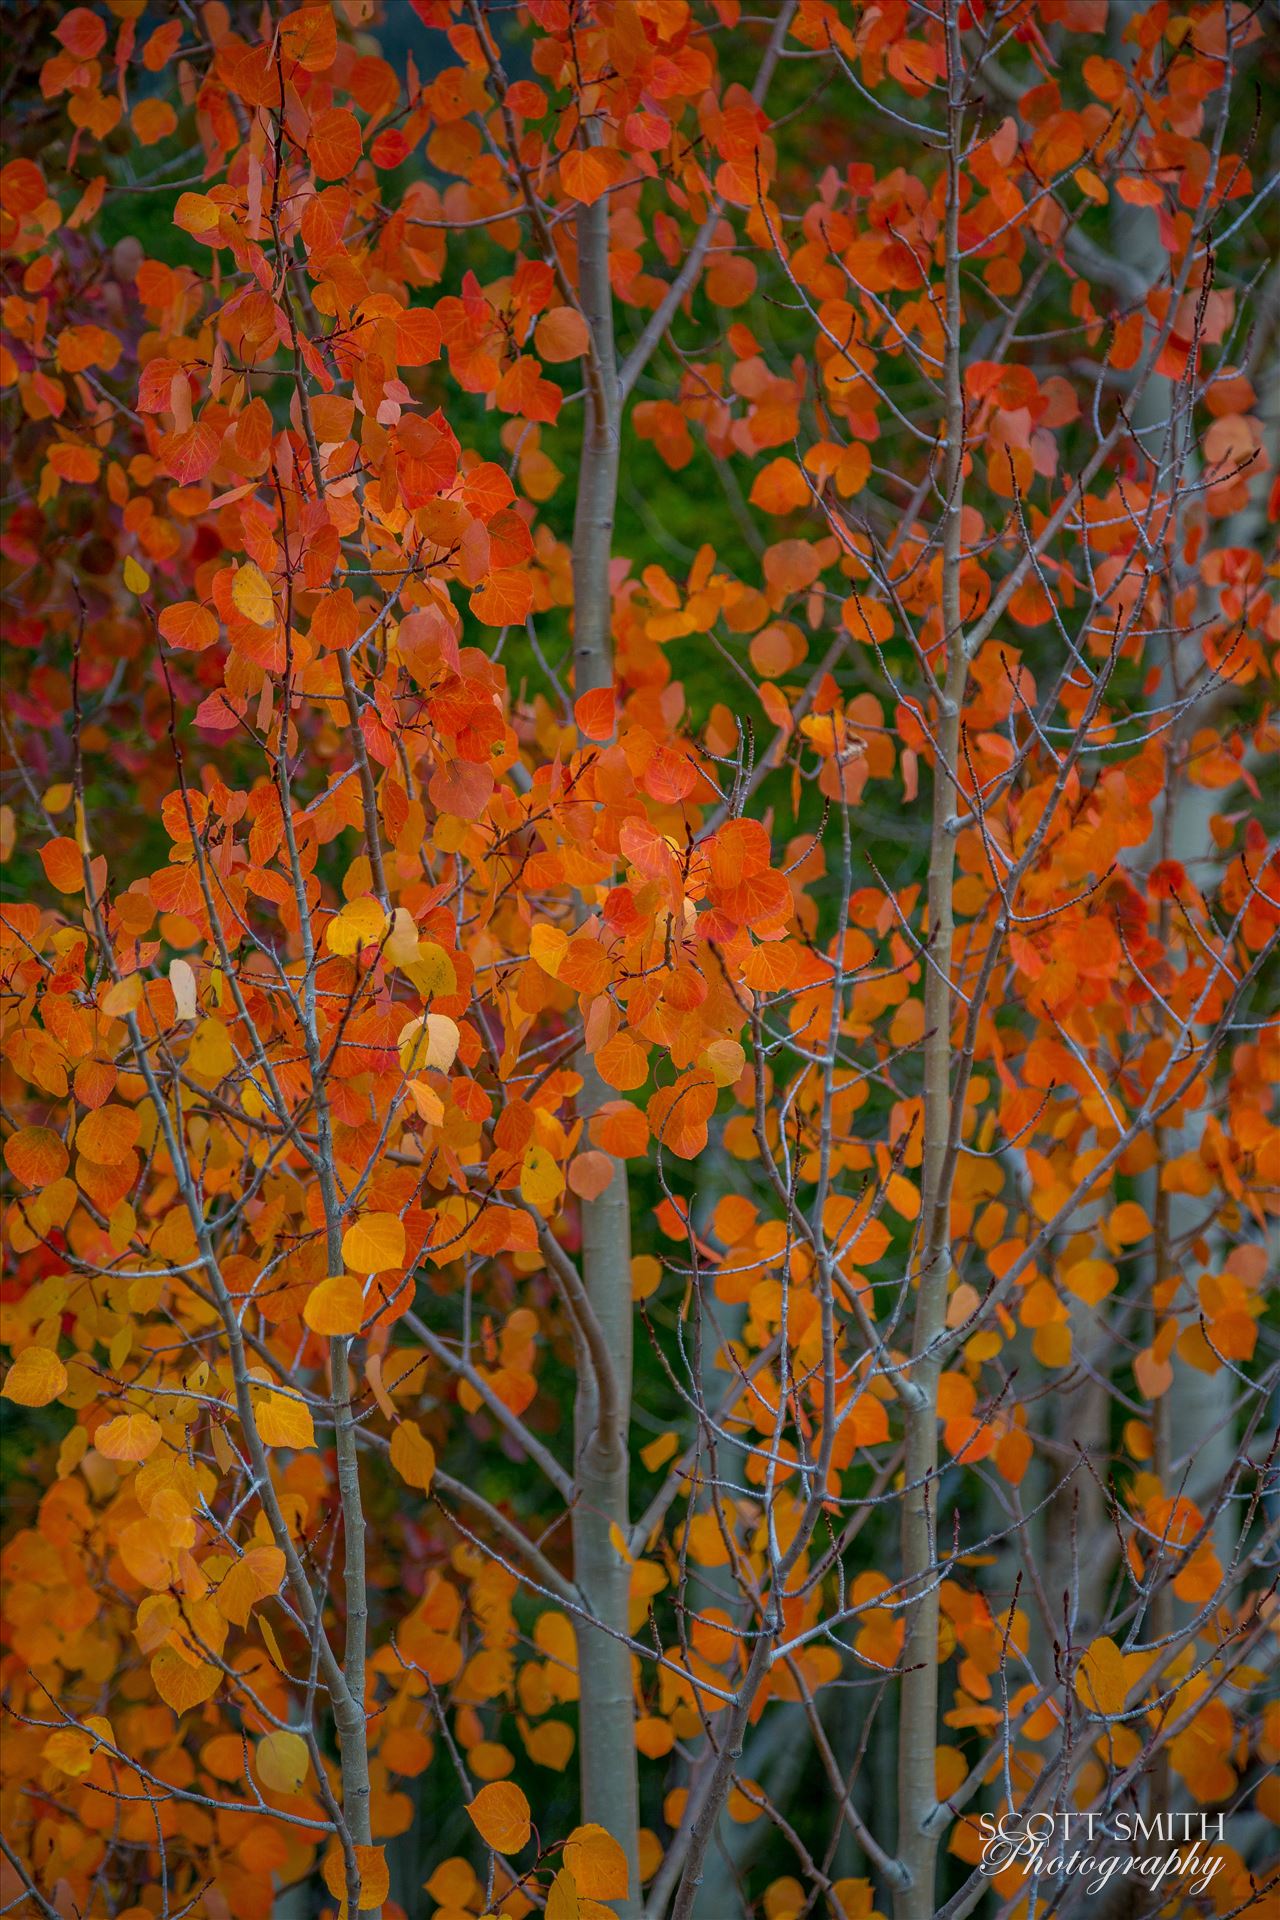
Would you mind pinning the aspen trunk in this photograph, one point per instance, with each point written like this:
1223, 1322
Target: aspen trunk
607, 1754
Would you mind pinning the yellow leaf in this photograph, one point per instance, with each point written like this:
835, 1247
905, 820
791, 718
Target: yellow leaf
659, 1451
373, 1374
69, 1750
562, 1897
336, 1306
597, 1863
541, 1177
1105, 1676
547, 947
180, 1684
490, 1760
271, 1643
430, 1041
195, 213
375, 1880
36, 1377
251, 594
724, 1060
255, 1576
282, 1761
1091, 1280
646, 1275
741, 1807
617, 1540
431, 971
549, 1744
130, 1436
284, 1421
428, 1102
75, 1445
401, 945
123, 997
654, 1737
500, 1815
211, 1056
374, 1243
136, 578
412, 1456
361, 923
157, 1617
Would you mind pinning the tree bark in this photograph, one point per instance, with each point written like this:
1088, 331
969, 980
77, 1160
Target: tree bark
607, 1753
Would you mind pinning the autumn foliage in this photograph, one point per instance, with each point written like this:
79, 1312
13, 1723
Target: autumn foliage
639, 1120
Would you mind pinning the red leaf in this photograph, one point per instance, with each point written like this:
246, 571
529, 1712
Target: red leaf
191, 455
595, 713
81, 33
507, 599
334, 147
418, 337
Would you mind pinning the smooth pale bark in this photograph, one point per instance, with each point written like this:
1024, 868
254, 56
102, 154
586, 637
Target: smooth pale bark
607, 1758
1193, 1436
601, 1515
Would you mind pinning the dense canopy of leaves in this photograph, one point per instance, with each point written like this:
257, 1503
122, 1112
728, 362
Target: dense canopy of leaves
625, 611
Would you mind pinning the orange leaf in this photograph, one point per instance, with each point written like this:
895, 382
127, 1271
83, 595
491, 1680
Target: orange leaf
586, 174
375, 1879
500, 1815
334, 147
336, 622
623, 1063
589, 1174
255, 1576
413, 1456
188, 626
868, 620
109, 1135
36, 1157
462, 788
780, 487
770, 968
196, 213
506, 599
63, 866
561, 334
620, 1129
309, 36
418, 337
